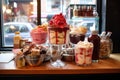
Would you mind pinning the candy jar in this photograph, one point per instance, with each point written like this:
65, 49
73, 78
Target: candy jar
105, 45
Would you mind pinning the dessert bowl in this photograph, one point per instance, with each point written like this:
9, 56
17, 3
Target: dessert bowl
35, 60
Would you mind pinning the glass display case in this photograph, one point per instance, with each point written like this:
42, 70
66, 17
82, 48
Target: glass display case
92, 23
83, 15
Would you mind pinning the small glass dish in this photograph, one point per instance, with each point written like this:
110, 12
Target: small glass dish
68, 57
35, 60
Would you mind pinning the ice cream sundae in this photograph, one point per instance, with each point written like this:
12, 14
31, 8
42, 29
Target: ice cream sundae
58, 30
39, 34
77, 34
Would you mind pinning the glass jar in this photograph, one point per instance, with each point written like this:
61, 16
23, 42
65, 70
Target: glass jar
75, 11
20, 61
16, 40
106, 46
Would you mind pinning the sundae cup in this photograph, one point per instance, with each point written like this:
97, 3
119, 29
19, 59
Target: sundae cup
58, 30
77, 34
83, 53
58, 35
39, 34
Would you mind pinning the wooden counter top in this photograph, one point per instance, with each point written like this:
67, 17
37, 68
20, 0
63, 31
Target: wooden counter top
111, 65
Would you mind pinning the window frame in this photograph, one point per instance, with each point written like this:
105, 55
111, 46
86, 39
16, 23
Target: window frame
101, 4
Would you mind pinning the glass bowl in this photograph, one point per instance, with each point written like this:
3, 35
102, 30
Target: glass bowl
35, 60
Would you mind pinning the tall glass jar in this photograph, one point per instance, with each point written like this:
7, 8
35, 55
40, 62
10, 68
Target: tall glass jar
16, 40
106, 46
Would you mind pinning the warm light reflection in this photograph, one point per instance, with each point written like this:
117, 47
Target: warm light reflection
33, 3
33, 12
12, 27
4, 8
15, 5
8, 11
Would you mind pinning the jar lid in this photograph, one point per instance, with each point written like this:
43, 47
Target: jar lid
17, 32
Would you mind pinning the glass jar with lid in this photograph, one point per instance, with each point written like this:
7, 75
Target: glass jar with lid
16, 40
106, 45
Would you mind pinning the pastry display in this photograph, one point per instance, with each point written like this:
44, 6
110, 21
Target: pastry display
66, 42
77, 34
83, 53
58, 30
39, 34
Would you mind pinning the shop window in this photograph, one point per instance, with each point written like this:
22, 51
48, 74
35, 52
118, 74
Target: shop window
25, 12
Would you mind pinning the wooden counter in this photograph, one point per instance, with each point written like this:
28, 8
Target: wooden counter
111, 65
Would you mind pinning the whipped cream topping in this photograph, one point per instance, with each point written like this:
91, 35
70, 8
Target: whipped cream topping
78, 30
84, 44
75, 31
40, 29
